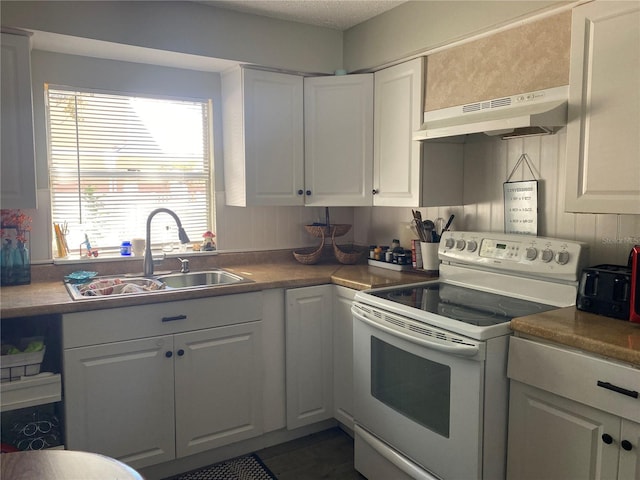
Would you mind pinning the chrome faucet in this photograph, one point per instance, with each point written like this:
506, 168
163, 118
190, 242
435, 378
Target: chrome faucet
147, 263
184, 265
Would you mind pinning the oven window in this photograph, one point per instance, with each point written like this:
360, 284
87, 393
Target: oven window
415, 387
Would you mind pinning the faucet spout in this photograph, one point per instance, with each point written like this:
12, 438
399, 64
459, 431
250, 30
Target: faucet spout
147, 263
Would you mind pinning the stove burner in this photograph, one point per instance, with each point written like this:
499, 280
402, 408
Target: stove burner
466, 305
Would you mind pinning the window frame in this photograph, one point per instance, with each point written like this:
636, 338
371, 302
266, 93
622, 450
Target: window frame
164, 176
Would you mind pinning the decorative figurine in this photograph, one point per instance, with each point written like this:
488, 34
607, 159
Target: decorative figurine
90, 251
208, 242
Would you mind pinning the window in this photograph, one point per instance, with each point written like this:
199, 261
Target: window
114, 158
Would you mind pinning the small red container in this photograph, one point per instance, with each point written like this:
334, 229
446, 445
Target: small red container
634, 260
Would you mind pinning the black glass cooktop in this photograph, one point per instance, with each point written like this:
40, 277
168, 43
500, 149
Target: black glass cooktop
464, 304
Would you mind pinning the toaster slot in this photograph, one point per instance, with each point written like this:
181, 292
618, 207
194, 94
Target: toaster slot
620, 289
590, 284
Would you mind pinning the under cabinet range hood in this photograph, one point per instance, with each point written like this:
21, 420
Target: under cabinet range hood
536, 113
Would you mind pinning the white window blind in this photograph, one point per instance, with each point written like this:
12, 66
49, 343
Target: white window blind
114, 158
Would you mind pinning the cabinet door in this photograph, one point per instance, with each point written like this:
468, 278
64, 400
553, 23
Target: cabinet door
552, 437
629, 457
603, 145
16, 120
218, 387
343, 355
263, 138
119, 400
309, 361
398, 113
273, 352
338, 134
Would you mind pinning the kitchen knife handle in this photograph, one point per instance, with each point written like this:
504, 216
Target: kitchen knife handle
617, 389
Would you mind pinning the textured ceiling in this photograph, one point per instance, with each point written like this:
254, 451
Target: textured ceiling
336, 14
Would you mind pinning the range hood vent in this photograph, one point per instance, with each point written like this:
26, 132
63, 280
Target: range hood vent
536, 113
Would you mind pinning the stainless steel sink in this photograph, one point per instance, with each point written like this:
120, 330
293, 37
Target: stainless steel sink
200, 279
113, 286
116, 286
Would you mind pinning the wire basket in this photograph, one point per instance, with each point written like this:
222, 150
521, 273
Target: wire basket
337, 230
309, 256
347, 255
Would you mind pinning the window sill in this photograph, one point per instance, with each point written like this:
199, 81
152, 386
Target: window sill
114, 256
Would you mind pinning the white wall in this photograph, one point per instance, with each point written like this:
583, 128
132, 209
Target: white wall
488, 163
185, 27
417, 26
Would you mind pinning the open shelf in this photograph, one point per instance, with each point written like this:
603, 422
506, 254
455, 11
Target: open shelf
31, 391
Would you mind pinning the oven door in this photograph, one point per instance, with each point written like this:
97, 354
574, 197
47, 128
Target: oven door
420, 391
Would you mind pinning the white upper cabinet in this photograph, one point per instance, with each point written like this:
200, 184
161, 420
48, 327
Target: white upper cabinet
338, 134
398, 113
407, 173
289, 141
18, 157
603, 144
263, 138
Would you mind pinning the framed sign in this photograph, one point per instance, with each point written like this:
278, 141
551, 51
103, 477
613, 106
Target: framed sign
521, 203
521, 207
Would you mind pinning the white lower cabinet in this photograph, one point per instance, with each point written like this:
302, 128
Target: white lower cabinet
154, 383
152, 399
273, 349
343, 355
119, 400
309, 355
218, 387
551, 437
571, 415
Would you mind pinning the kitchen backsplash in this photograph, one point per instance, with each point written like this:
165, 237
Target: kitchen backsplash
488, 163
266, 228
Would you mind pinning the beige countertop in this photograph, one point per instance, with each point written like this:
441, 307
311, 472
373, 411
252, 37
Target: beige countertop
49, 295
612, 338
608, 337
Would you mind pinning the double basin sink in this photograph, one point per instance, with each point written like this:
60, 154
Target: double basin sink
110, 286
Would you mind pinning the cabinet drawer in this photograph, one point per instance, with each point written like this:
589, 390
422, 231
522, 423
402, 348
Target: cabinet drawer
575, 375
129, 323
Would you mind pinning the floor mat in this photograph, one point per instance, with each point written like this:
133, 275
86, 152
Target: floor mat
249, 467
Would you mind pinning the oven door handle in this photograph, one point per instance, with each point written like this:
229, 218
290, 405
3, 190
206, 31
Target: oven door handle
453, 348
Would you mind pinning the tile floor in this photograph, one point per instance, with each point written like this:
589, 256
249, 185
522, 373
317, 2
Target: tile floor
326, 455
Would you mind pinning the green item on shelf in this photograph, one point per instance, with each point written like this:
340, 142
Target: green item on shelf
35, 346
10, 350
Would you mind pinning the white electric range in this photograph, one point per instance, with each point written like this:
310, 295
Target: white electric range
430, 385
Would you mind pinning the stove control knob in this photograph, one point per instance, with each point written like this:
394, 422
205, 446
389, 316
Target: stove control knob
460, 244
532, 253
449, 242
547, 255
562, 257
472, 245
